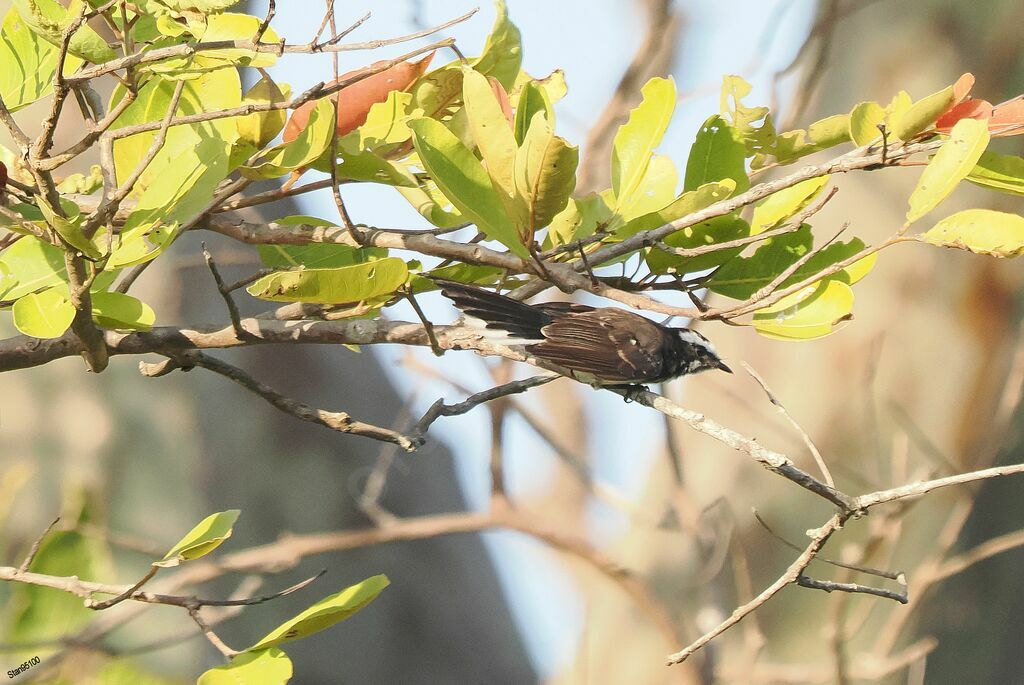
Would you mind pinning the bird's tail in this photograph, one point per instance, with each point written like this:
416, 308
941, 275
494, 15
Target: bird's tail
501, 318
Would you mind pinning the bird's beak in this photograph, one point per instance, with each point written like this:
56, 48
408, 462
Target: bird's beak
721, 365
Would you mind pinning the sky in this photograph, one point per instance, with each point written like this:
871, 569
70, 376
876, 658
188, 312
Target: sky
592, 41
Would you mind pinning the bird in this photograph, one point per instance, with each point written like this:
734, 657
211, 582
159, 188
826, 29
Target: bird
602, 346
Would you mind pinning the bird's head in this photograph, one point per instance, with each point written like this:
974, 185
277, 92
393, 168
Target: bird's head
701, 352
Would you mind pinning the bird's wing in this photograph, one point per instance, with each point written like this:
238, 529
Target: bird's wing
612, 344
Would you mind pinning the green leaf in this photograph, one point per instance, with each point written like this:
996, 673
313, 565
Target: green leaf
864, 121
315, 255
820, 135
999, 172
687, 203
386, 126
982, 231
545, 174
718, 230
82, 184
781, 205
532, 99
260, 128
326, 612
811, 313
492, 134
432, 205
70, 230
202, 6
355, 283
201, 540
740, 278
636, 140
29, 63
950, 165
44, 315
463, 180
48, 19
503, 51
260, 667
30, 265
117, 310
716, 155
41, 614
922, 114
314, 140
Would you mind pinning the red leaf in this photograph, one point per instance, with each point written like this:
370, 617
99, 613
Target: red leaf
502, 96
968, 109
357, 98
1008, 118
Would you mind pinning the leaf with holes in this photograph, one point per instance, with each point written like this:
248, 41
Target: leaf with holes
950, 165
811, 313
982, 231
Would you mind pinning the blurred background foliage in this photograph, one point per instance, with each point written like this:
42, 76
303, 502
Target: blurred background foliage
924, 382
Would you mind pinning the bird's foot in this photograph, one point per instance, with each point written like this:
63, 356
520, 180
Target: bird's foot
632, 392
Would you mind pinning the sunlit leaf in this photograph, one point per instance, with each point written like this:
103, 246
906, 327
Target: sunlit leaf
232, 26
922, 114
260, 128
811, 313
983, 231
1000, 172
657, 189
29, 63
203, 6
463, 180
30, 265
49, 19
636, 140
785, 203
315, 255
545, 174
492, 134
354, 283
581, 217
300, 152
968, 109
502, 55
712, 232
47, 314
864, 121
254, 667
207, 536
950, 165
117, 310
752, 125
430, 202
326, 612
532, 99
687, 203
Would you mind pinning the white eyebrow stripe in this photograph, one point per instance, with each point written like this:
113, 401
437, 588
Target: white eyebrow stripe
694, 338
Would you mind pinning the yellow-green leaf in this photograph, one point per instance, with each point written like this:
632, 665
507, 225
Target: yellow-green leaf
117, 310
785, 203
813, 312
687, 203
636, 140
44, 315
983, 231
491, 133
463, 180
999, 172
581, 218
260, 128
502, 55
255, 667
30, 265
49, 19
950, 165
29, 63
326, 612
314, 140
545, 174
532, 99
233, 26
657, 189
201, 540
864, 121
432, 205
921, 114
354, 283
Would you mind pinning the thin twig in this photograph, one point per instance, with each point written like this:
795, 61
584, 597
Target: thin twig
34, 549
830, 586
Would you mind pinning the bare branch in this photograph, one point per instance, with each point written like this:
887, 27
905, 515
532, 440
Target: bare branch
34, 549
830, 586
